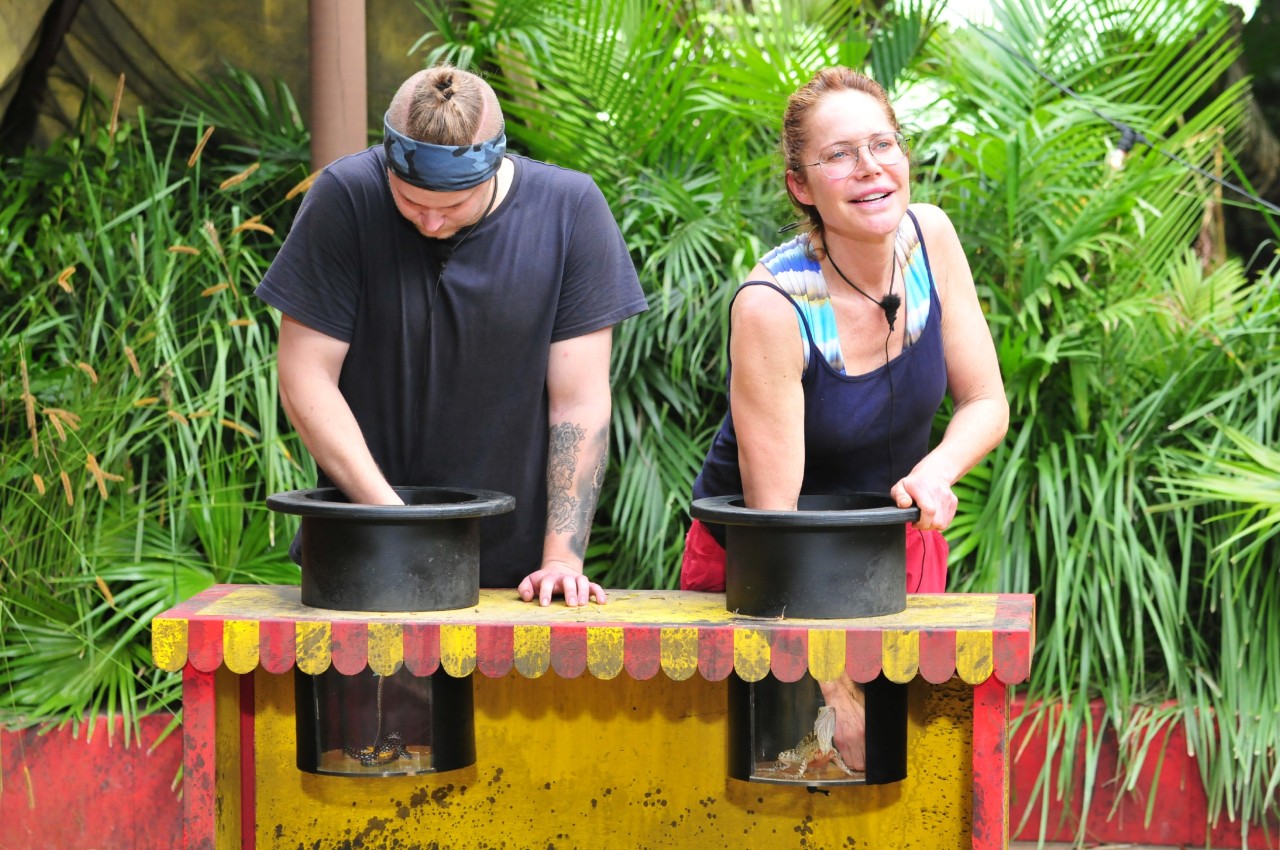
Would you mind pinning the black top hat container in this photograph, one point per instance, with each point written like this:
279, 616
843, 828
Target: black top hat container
771, 721
836, 556
423, 555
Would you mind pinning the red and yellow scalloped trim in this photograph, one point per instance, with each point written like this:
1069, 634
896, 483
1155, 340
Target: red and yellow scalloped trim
638, 633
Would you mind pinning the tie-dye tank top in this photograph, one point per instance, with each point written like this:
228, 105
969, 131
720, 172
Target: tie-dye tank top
800, 276
861, 432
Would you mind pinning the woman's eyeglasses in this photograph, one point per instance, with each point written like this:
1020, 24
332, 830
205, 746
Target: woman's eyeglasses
839, 162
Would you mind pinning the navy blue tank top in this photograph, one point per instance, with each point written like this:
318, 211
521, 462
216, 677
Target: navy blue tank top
862, 433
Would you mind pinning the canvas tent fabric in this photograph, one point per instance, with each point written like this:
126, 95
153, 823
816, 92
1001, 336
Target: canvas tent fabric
160, 46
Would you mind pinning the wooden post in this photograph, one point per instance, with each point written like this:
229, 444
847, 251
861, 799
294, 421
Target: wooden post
339, 88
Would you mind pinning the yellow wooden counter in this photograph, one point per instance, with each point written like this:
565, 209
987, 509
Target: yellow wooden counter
596, 727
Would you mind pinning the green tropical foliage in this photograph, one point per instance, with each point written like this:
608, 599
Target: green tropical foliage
1136, 494
1116, 339
141, 427
1138, 371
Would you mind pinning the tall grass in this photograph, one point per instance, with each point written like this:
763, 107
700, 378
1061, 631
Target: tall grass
1130, 360
142, 431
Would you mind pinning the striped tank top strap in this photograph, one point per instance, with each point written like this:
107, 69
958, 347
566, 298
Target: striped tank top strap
800, 275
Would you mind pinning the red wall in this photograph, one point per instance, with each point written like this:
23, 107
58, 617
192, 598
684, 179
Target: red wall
92, 792
89, 791
1179, 815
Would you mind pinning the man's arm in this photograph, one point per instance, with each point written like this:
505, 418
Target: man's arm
310, 363
578, 393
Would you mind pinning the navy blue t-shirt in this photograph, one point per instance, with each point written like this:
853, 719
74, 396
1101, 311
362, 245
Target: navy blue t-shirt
447, 376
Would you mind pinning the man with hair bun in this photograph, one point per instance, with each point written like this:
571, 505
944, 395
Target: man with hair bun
447, 320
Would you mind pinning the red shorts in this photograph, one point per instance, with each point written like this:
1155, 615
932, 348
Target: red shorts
703, 564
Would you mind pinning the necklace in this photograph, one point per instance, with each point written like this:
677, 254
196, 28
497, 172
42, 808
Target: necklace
889, 304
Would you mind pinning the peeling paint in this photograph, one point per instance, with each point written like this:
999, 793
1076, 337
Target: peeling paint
631, 761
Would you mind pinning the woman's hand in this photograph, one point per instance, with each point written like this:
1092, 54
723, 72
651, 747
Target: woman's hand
849, 702
932, 495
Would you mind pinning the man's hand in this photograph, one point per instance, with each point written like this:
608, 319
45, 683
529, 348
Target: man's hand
556, 578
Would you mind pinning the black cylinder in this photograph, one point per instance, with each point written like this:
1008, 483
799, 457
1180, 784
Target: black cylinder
420, 556
837, 556
771, 733
371, 725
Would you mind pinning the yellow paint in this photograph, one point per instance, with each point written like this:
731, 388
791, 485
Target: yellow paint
970, 617
458, 650
169, 644
678, 649
611, 764
947, 713
826, 654
973, 656
532, 647
1031, 634
604, 651
901, 658
312, 641
941, 610
264, 601
386, 648
240, 645
652, 607
648, 607
751, 654
226, 744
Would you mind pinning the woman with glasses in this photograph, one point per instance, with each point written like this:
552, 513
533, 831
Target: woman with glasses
844, 341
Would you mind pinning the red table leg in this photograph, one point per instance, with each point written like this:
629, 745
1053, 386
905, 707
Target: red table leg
990, 766
199, 759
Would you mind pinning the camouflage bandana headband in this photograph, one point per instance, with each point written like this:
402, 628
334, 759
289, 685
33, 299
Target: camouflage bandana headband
442, 168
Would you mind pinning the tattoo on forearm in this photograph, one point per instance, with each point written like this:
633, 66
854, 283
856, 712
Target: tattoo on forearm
592, 495
570, 508
562, 464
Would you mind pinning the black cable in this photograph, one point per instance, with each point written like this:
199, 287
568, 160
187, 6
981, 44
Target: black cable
889, 304
431, 305
923, 554
888, 370
1128, 135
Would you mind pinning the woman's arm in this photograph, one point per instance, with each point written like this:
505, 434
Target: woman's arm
765, 396
981, 414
